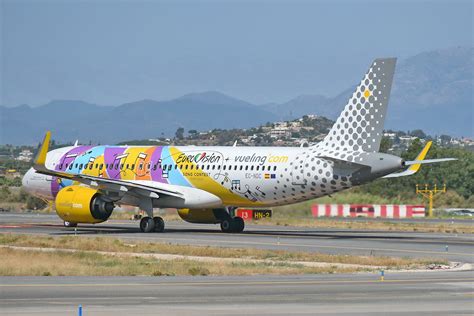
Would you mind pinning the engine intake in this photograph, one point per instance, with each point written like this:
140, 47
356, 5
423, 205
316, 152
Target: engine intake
79, 204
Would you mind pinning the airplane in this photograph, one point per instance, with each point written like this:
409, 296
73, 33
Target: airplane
207, 184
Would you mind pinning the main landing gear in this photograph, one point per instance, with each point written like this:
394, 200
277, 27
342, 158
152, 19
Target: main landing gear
233, 225
69, 224
149, 224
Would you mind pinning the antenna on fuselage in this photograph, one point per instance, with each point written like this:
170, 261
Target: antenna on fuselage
76, 143
235, 143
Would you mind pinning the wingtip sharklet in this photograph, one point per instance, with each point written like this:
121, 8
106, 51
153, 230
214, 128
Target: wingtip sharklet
40, 160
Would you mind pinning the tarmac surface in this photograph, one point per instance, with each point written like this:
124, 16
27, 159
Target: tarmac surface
434, 293
453, 247
408, 293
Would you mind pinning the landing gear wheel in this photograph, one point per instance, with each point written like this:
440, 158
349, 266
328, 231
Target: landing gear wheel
226, 226
159, 224
69, 224
234, 225
238, 224
147, 224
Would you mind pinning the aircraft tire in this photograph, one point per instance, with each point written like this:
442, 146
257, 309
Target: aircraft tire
159, 224
147, 224
238, 224
226, 226
69, 224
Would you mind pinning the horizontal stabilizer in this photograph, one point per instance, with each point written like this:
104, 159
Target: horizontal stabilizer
415, 162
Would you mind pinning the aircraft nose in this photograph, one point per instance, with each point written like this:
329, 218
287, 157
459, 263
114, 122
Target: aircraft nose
25, 181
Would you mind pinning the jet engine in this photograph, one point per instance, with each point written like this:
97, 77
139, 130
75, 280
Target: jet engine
80, 204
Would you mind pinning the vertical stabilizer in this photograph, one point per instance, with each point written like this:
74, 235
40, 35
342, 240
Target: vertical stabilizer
360, 125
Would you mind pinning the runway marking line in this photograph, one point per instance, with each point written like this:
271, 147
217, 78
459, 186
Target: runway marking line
309, 282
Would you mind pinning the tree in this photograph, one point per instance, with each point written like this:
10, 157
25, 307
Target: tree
179, 133
385, 144
418, 133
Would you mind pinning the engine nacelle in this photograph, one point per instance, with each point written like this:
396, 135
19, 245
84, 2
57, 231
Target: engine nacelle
79, 204
202, 216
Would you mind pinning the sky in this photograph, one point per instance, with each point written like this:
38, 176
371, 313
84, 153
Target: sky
114, 52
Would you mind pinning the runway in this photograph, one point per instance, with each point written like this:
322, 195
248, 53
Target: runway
420, 293
440, 293
453, 247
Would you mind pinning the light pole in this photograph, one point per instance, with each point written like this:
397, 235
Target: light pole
429, 194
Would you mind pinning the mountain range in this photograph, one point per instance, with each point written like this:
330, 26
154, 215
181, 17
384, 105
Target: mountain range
432, 91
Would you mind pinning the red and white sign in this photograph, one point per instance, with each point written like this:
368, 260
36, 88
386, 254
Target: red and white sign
247, 215
368, 210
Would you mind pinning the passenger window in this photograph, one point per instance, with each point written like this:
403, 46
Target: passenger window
85, 166
154, 167
192, 166
258, 167
101, 166
241, 167
66, 166
133, 166
246, 167
251, 168
269, 168
76, 165
223, 167
175, 167
235, 167
274, 168
140, 166
213, 167
60, 166
208, 167
169, 167
70, 167
90, 166
128, 166
121, 166
80, 166
148, 166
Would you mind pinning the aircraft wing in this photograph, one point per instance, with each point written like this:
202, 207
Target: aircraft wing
152, 189
416, 164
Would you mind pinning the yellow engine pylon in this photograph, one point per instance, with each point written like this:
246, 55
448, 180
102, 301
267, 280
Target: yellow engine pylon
429, 194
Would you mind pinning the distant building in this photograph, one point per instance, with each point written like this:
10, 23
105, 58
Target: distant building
407, 140
25, 155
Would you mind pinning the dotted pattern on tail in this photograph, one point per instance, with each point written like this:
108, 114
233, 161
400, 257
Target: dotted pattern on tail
359, 127
357, 130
